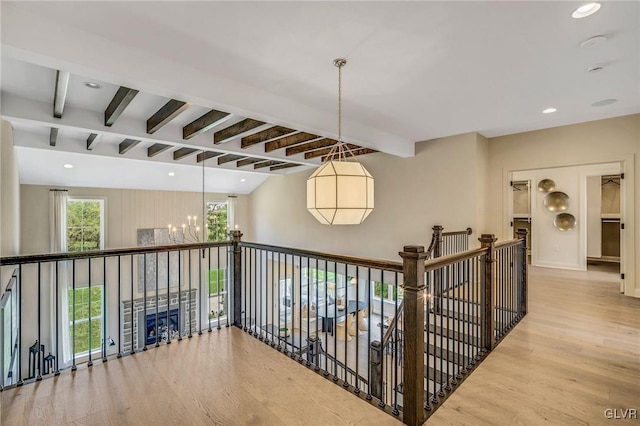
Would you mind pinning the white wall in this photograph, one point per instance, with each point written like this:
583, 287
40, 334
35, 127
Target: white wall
612, 140
436, 187
126, 211
9, 194
551, 247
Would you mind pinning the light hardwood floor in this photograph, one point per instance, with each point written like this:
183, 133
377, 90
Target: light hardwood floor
575, 354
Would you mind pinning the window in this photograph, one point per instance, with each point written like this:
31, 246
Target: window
217, 221
217, 294
388, 292
85, 230
85, 312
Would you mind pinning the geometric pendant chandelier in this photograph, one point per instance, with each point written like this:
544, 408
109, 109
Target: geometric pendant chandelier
340, 191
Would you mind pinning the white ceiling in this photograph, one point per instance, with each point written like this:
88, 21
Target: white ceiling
416, 70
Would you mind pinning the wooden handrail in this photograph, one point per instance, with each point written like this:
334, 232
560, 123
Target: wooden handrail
339, 258
392, 325
467, 231
89, 254
438, 262
509, 243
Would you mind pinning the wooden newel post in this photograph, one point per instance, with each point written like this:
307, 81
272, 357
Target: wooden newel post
236, 235
375, 369
488, 303
522, 234
413, 354
438, 278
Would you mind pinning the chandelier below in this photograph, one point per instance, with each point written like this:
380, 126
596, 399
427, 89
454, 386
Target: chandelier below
340, 191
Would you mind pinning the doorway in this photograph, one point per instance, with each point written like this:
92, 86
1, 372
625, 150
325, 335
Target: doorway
603, 223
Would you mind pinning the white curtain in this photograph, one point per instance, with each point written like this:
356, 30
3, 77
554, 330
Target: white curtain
57, 244
231, 214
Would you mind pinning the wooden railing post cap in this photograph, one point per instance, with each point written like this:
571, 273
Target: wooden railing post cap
437, 228
487, 238
522, 231
413, 252
235, 235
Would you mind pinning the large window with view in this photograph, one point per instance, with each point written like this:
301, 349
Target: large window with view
85, 231
217, 221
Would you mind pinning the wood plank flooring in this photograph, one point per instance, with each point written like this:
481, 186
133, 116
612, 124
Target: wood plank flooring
225, 378
576, 354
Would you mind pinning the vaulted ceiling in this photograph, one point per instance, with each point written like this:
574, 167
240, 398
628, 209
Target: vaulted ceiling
249, 89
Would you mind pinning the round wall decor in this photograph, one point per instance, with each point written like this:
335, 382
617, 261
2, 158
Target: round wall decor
556, 201
546, 185
564, 222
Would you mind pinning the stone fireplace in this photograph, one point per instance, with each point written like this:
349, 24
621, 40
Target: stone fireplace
183, 311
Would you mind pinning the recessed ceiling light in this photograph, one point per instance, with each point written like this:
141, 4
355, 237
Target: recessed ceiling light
68, 166
549, 110
585, 10
599, 39
604, 102
171, 174
243, 180
92, 85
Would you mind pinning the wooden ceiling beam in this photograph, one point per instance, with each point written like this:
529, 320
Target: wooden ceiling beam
92, 140
357, 152
120, 101
181, 153
265, 136
53, 136
127, 144
60, 94
286, 141
156, 149
229, 157
310, 146
267, 163
168, 112
284, 166
325, 151
204, 123
203, 156
242, 127
247, 161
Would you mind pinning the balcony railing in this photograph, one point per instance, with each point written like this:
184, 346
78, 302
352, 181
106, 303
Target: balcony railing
401, 335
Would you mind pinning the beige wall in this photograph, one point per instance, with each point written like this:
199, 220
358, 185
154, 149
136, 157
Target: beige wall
612, 140
9, 194
126, 211
436, 187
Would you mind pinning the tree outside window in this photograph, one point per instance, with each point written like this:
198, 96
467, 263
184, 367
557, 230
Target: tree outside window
217, 221
86, 316
217, 294
84, 225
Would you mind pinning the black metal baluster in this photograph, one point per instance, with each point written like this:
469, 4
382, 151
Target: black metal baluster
168, 298
57, 317
188, 299
144, 300
272, 306
179, 293
335, 316
90, 363
73, 323
357, 327
396, 351
19, 304
133, 351
39, 376
119, 310
104, 310
218, 286
368, 295
299, 308
199, 303
209, 292
156, 331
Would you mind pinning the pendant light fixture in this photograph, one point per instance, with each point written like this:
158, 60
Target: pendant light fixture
340, 191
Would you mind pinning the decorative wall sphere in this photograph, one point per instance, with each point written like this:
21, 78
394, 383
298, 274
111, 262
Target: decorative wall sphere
556, 201
564, 222
546, 185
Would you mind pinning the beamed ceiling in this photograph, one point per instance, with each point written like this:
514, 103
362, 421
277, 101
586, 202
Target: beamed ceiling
248, 89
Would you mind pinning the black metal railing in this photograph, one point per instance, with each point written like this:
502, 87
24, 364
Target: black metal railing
78, 308
400, 335
321, 309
